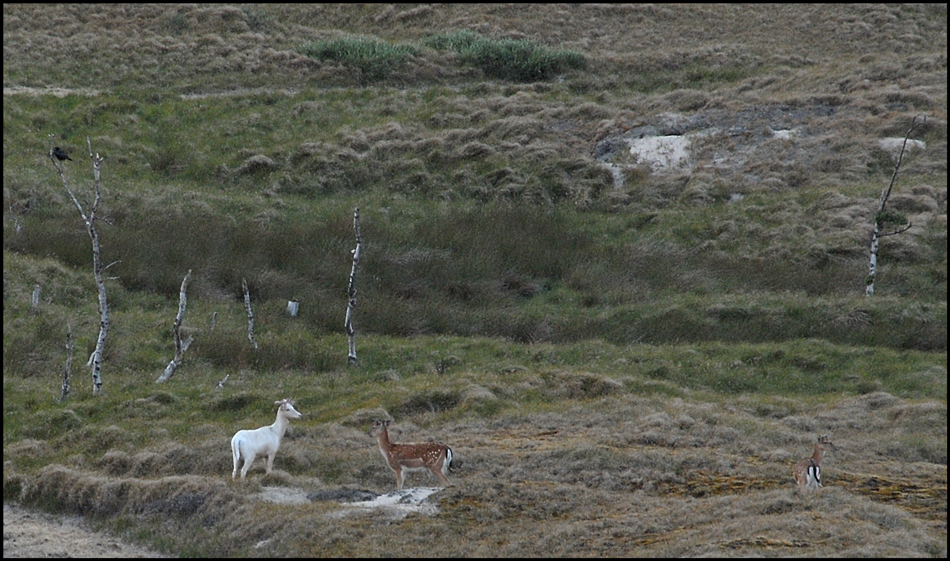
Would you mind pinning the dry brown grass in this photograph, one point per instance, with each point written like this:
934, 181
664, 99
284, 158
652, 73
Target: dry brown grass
615, 475
583, 464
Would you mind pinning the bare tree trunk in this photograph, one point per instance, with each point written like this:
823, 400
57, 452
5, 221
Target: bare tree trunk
35, 306
250, 314
351, 358
180, 346
64, 392
98, 268
883, 217
872, 263
17, 227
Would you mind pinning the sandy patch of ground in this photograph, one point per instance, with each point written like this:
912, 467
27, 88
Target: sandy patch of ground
282, 495
29, 533
58, 92
397, 504
669, 152
32, 533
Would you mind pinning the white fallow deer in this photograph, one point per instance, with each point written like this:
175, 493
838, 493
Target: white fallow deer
249, 444
402, 458
807, 472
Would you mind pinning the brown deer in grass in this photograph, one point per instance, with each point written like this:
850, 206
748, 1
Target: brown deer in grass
402, 458
807, 472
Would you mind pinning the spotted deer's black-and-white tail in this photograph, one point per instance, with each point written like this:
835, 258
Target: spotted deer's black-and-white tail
449, 459
814, 474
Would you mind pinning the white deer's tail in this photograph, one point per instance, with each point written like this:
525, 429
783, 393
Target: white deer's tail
447, 463
235, 453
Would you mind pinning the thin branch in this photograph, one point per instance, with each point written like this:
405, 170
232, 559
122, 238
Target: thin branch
894, 233
900, 158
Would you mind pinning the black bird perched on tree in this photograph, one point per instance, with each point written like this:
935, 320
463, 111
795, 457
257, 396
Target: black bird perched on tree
61, 154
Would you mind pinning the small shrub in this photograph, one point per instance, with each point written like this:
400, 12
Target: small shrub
581, 385
517, 60
234, 402
374, 59
49, 424
427, 402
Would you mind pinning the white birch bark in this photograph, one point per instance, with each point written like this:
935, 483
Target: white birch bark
35, 306
351, 292
90, 221
17, 227
250, 314
180, 346
64, 391
879, 217
872, 265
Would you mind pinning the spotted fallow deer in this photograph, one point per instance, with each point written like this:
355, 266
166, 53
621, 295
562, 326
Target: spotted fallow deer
807, 472
401, 458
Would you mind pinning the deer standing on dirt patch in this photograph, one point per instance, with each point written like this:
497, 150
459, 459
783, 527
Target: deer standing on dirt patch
432, 456
807, 472
263, 441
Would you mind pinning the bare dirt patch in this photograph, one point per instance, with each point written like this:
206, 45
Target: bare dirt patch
29, 533
58, 92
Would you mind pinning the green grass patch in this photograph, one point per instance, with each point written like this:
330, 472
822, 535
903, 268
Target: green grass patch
518, 60
373, 58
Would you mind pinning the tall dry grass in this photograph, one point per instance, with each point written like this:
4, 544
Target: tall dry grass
627, 361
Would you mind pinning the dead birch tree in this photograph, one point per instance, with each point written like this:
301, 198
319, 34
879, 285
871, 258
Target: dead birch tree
351, 291
180, 346
885, 218
64, 391
90, 220
250, 314
35, 305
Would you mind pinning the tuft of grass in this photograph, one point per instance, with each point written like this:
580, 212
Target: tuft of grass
518, 60
373, 58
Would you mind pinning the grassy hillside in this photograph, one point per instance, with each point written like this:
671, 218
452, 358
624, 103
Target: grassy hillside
614, 255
